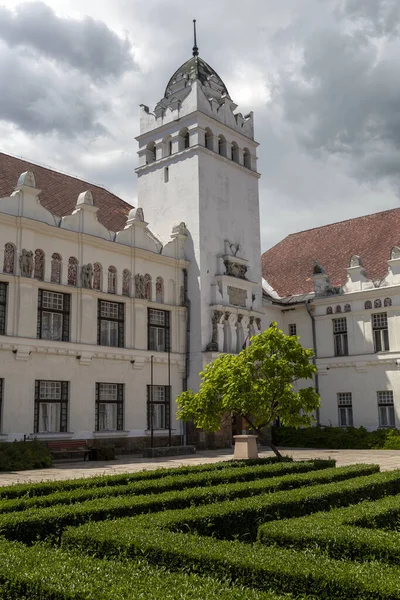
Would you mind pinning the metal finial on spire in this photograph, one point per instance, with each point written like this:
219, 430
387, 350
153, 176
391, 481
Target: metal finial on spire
195, 48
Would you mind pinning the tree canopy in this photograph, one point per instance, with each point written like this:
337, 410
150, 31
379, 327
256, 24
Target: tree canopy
257, 384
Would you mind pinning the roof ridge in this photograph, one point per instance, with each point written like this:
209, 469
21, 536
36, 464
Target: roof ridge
380, 212
65, 173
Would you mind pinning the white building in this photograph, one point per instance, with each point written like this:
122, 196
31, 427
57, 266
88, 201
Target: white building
104, 314
91, 296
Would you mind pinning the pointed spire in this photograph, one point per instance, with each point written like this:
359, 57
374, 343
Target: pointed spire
195, 48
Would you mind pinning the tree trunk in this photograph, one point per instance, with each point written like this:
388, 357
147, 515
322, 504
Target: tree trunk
261, 435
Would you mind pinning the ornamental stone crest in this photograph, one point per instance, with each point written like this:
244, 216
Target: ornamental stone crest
213, 345
26, 263
86, 276
235, 269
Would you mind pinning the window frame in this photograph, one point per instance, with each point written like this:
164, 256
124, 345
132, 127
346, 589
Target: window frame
345, 408
65, 312
1, 403
166, 403
63, 401
120, 320
292, 329
119, 402
3, 307
388, 406
340, 337
153, 326
380, 333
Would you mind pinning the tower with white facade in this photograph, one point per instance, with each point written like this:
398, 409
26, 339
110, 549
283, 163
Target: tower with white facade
197, 164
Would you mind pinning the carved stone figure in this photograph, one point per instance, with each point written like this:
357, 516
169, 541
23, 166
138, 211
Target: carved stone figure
356, 261
237, 296
235, 269
213, 345
26, 263
86, 276
126, 282
139, 286
258, 321
97, 276
239, 319
395, 253
159, 289
38, 271
9, 258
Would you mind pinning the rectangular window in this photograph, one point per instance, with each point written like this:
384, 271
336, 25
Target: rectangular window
51, 406
109, 406
340, 336
386, 409
53, 316
158, 330
380, 332
3, 307
292, 329
111, 324
1, 402
345, 407
158, 406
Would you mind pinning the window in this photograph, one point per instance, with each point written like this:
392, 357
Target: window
345, 407
109, 406
246, 158
340, 336
367, 304
51, 406
111, 324
158, 330
209, 139
166, 174
55, 276
380, 332
158, 406
3, 307
187, 140
53, 316
292, 329
386, 409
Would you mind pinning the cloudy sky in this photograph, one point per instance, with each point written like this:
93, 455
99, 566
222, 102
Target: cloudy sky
322, 76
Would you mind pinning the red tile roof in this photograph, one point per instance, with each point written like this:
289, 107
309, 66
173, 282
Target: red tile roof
288, 266
60, 192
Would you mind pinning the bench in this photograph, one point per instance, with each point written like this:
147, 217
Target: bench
69, 447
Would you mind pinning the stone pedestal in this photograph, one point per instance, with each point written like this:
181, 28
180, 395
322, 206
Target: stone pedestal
245, 446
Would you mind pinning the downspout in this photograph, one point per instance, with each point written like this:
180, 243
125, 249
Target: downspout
314, 358
186, 303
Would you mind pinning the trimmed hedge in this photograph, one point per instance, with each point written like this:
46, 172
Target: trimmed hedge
44, 573
343, 533
167, 483
251, 565
336, 438
48, 487
39, 523
20, 456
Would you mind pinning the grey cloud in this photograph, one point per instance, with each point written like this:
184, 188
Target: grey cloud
376, 17
86, 44
39, 99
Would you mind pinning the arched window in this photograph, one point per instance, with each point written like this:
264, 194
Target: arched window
187, 140
329, 310
377, 303
72, 271
221, 145
184, 141
150, 152
126, 282
235, 152
97, 273
209, 139
147, 286
159, 289
112, 280
387, 302
56, 261
367, 304
227, 347
9, 258
247, 158
347, 308
38, 271
338, 309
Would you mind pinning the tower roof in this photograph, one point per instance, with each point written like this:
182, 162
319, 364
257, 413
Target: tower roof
197, 69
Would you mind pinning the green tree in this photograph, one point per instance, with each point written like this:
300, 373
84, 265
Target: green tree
257, 384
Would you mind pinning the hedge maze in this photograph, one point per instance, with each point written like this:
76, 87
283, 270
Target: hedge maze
259, 530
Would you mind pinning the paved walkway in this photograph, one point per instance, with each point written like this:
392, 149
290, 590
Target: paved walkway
386, 459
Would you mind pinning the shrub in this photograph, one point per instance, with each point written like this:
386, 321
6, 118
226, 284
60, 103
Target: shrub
40, 523
167, 483
49, 487
336, 438
45, 573
20, 456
